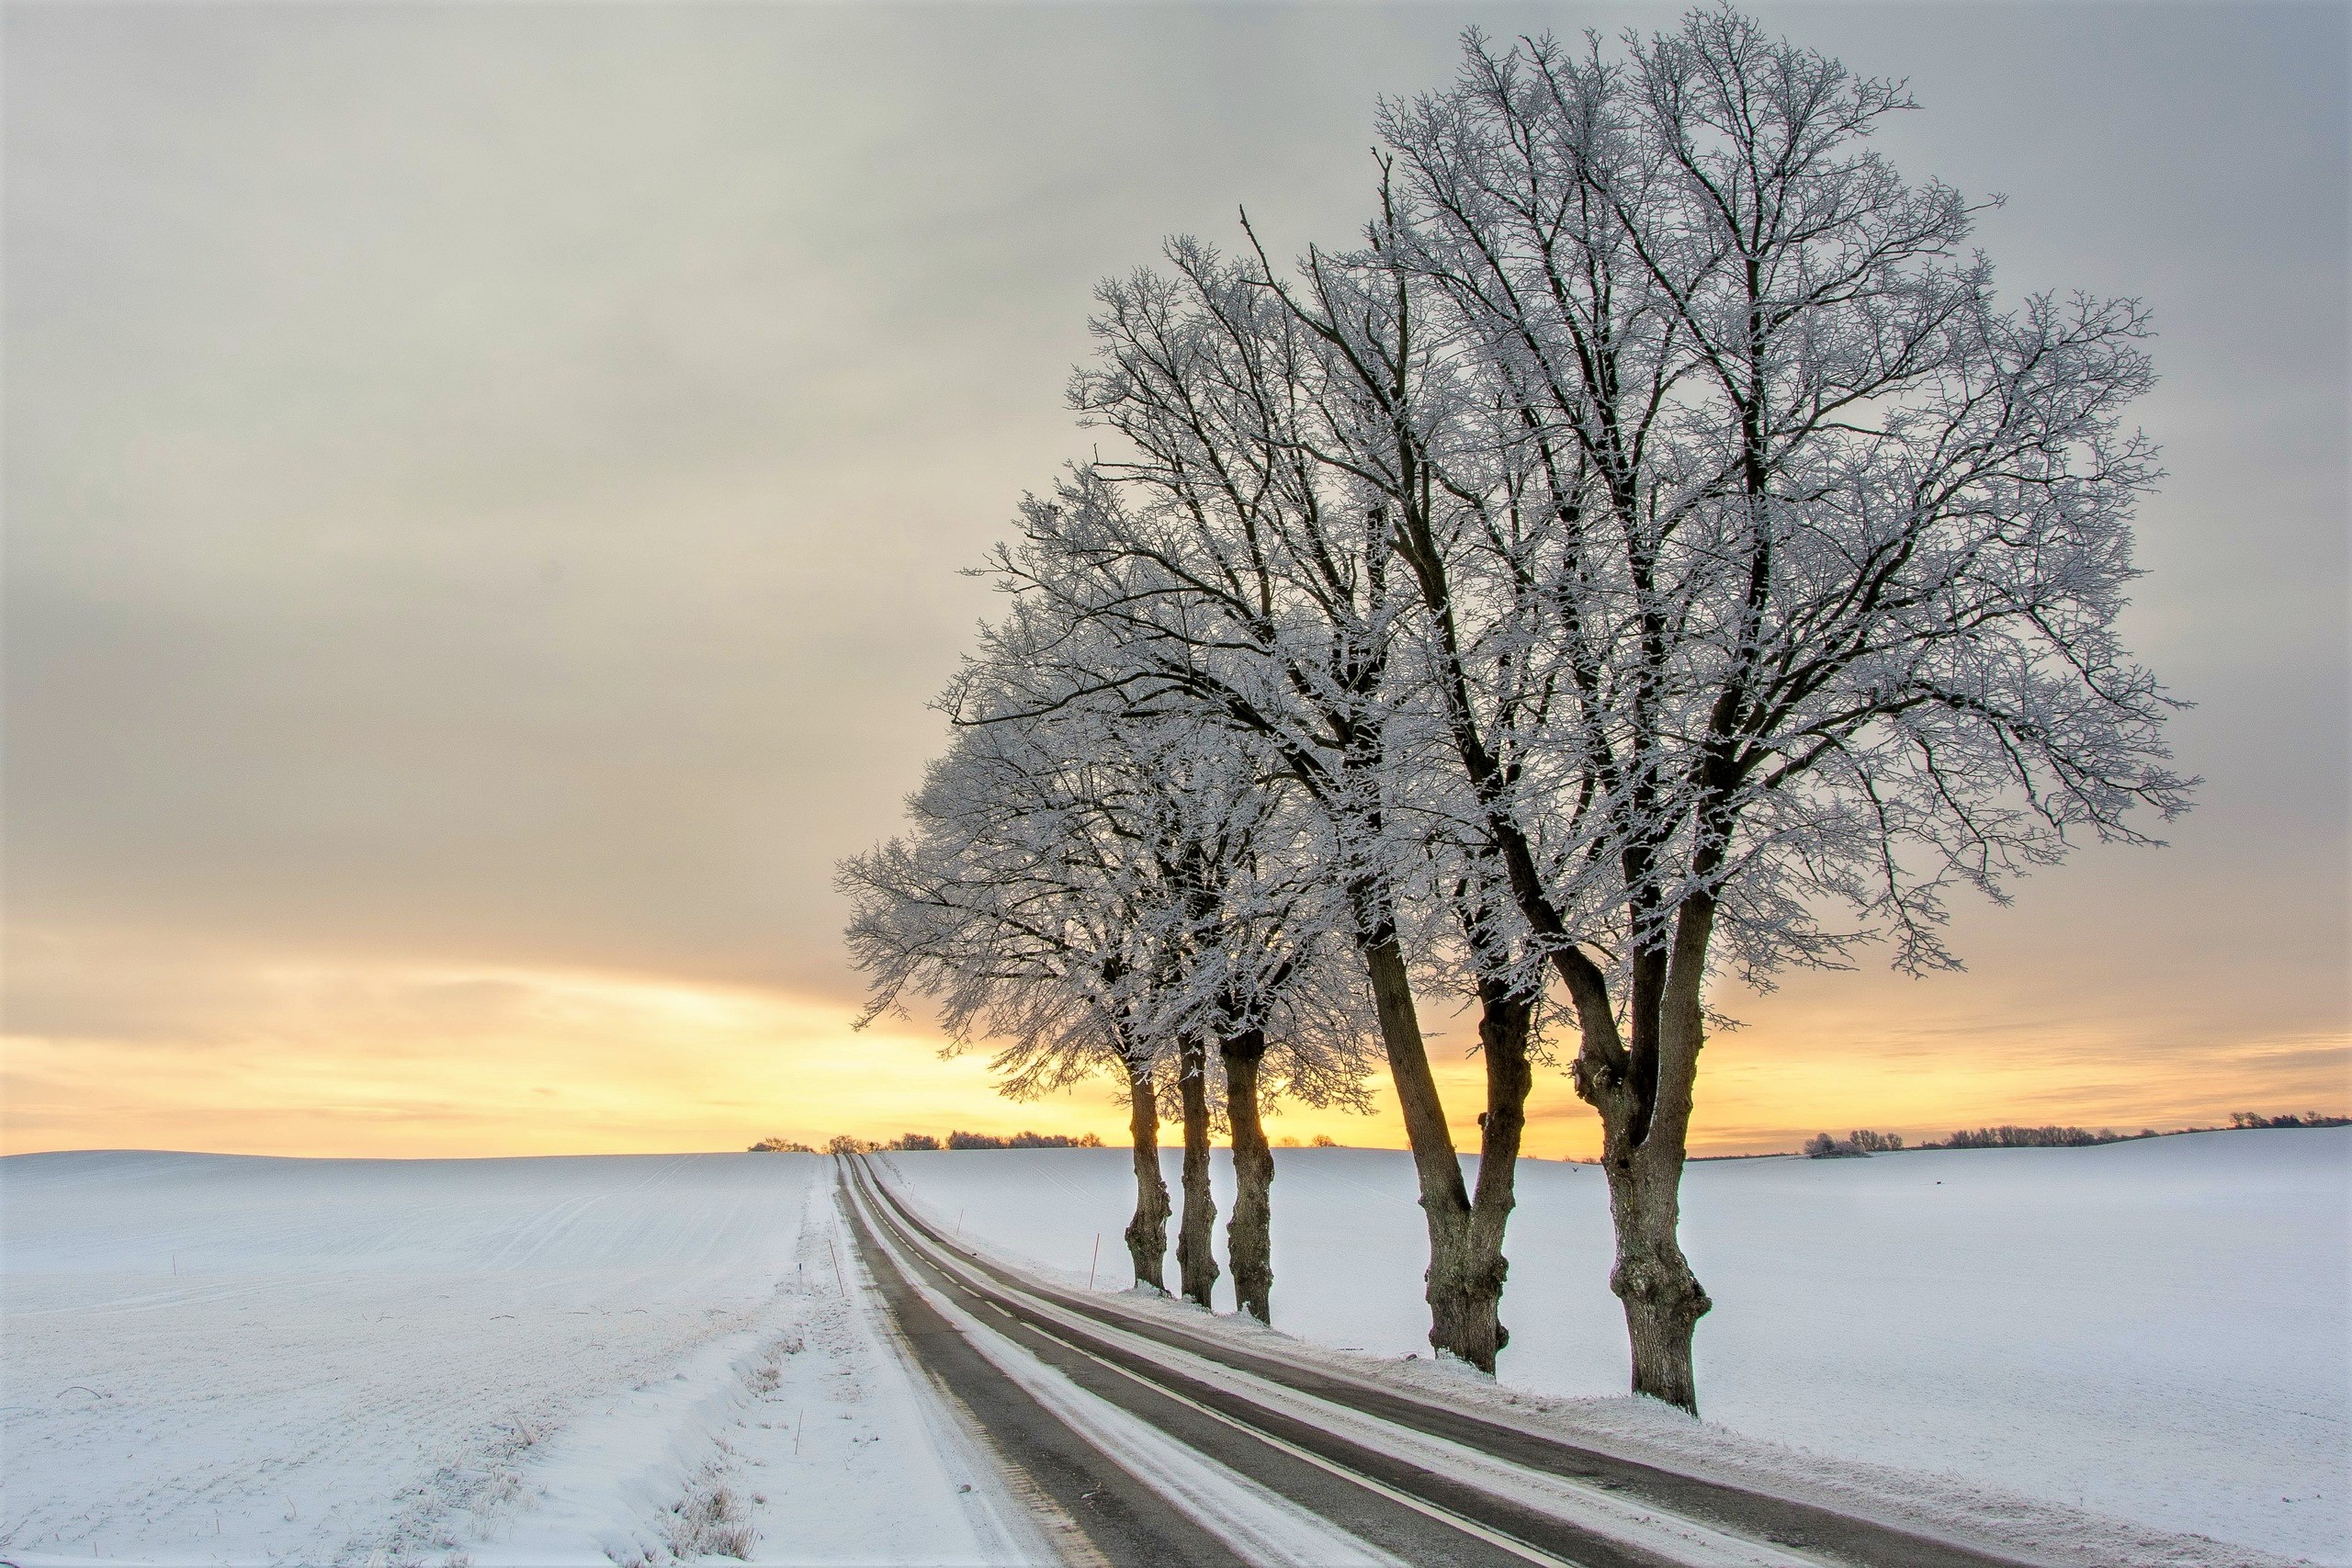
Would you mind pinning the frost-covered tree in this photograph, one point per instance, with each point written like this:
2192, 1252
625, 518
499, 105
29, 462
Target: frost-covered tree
1655, 550
1266, 972
1249, 940
1089, 885
1243, 581
1009, 904
1812, 549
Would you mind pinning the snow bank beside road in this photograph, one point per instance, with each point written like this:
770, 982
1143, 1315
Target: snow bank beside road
2155, 1331
206, 1358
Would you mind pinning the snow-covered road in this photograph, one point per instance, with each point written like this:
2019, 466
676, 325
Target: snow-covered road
2153, 1333
1281, 1463
206, 1358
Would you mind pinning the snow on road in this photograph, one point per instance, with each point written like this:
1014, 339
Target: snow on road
209, 1359
2154, 1331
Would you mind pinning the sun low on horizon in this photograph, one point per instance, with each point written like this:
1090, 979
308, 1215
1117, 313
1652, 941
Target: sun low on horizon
488, 507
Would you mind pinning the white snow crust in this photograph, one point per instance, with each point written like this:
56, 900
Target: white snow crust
214, 1360
2100, 1354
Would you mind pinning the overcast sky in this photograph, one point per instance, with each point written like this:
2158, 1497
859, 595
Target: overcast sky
485, 485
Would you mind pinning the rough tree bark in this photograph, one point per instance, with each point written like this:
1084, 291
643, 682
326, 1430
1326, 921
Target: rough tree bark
1445, 1201
1148, 1232
1504, 1025
1662, 1298
1464, 1280
1644, 1101
1249, 1239
1196, 1269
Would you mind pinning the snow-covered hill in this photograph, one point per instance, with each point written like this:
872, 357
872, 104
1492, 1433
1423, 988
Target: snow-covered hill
2154, 1330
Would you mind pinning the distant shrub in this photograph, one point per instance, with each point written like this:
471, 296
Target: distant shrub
1821, 1145
1872, 1143
912, 1142
2247, 1119
780, 1146
1322, 1141
843, 1144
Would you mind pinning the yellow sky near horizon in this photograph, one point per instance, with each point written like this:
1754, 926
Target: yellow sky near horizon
398, 1061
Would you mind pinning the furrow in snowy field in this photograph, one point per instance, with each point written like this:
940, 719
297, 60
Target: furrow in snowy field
1259, 1525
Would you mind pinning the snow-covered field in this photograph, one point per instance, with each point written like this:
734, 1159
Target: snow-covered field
2155, 1331
206, 1358
213, 1359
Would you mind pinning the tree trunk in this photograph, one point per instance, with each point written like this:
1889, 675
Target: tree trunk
1148, 1232
1196, 1268
1249, 1238
1504, 1024
1455, 1320
1645, 1139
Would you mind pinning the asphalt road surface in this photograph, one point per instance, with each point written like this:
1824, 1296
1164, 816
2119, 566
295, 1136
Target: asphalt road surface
1181, 1449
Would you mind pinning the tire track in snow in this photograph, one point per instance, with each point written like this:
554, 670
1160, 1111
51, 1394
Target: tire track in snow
1719, 1523
1271, 1498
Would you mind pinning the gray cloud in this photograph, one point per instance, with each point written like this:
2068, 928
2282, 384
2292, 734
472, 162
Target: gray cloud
485, 483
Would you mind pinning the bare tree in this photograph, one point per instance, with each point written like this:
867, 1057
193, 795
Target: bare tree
1089, 885
1245, 579
1270, 975
1246, 935
1011, 906
1815, 551
1656, 549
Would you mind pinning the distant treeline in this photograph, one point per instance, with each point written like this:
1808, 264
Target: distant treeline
984, 1140
845, 1145
1821, 1145
2037, 1138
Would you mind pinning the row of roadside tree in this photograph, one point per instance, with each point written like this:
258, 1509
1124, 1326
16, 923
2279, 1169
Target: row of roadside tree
1650, 553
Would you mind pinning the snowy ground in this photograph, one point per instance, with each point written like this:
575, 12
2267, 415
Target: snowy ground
2154, 1331
206, 1358
210, 1359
